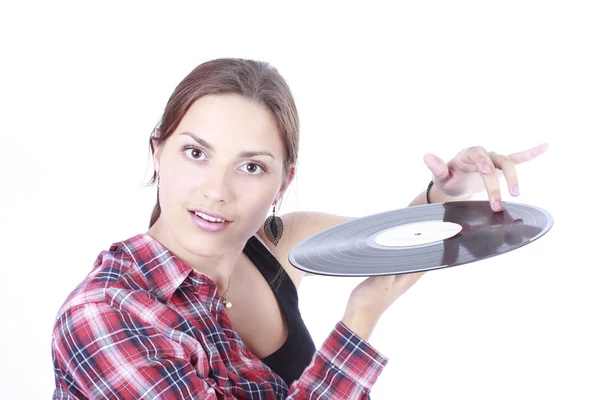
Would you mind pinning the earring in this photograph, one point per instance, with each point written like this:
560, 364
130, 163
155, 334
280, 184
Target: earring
273, 228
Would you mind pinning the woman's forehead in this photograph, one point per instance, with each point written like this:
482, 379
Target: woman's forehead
230, 120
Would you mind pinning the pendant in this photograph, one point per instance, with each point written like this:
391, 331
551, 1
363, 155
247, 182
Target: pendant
226, 303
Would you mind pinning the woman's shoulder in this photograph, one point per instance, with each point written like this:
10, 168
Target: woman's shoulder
110, 266
298, 226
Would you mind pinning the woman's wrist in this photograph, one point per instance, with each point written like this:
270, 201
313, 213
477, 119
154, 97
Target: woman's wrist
362, 324
434, 195
428, 191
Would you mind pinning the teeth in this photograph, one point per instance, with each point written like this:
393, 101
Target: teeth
208, 217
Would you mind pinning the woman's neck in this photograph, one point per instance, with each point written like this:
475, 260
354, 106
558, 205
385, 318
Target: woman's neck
218, 267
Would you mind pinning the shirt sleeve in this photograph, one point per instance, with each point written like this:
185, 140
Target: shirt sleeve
345, 367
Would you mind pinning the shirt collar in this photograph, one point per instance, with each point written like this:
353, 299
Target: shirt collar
162, 270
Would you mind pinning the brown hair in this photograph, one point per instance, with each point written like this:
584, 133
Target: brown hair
255, 80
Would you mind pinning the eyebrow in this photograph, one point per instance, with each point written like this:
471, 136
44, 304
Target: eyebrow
242, 154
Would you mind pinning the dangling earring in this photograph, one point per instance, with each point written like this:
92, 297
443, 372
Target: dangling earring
273, 228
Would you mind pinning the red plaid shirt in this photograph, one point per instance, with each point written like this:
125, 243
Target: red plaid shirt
145, 325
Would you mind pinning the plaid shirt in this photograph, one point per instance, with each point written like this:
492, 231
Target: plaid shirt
145, 325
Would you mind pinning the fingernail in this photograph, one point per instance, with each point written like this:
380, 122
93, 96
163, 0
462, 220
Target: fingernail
496, 205
485, 168
515, 190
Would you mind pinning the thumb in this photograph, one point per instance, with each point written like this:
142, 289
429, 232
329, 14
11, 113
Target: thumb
438, 168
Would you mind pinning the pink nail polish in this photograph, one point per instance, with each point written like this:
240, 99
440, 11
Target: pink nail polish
515, 190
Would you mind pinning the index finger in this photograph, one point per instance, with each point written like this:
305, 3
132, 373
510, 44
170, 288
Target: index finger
528, 155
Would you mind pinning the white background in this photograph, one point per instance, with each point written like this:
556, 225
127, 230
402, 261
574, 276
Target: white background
377, 86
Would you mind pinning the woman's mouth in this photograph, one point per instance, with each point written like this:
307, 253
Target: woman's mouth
208, 217
208, 222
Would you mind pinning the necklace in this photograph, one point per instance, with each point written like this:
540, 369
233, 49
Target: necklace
226, 302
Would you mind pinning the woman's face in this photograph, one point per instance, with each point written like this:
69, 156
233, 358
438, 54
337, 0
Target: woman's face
226, 160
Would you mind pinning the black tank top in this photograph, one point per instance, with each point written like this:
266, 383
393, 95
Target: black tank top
290, 360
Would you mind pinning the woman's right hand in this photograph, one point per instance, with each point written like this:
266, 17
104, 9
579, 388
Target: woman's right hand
369, 300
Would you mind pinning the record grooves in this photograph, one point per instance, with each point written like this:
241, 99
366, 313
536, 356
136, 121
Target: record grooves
420, 238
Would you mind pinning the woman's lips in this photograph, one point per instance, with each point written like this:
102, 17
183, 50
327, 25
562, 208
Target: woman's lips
207, 225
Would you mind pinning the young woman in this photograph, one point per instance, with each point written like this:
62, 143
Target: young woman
204, 304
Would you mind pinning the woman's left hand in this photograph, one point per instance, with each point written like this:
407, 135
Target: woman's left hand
475, 169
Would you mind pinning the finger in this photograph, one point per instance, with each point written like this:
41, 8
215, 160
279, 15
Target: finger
528, 155
492, 187
475, 157
487, 169
507, 165
438, 168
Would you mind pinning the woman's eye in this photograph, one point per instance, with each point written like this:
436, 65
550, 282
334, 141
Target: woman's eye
195, 154
253, 168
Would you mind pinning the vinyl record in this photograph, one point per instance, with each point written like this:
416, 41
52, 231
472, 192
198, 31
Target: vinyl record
420, 238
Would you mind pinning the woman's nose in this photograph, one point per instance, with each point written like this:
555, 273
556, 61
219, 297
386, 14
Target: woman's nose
216, 187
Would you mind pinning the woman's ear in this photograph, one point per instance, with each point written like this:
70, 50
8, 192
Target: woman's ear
286, 183
155, 139
156, 162
291, 174
155, 142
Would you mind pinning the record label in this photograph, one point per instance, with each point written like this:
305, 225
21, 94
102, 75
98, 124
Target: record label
417, 233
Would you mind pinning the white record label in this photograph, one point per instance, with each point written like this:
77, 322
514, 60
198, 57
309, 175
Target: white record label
417, 233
